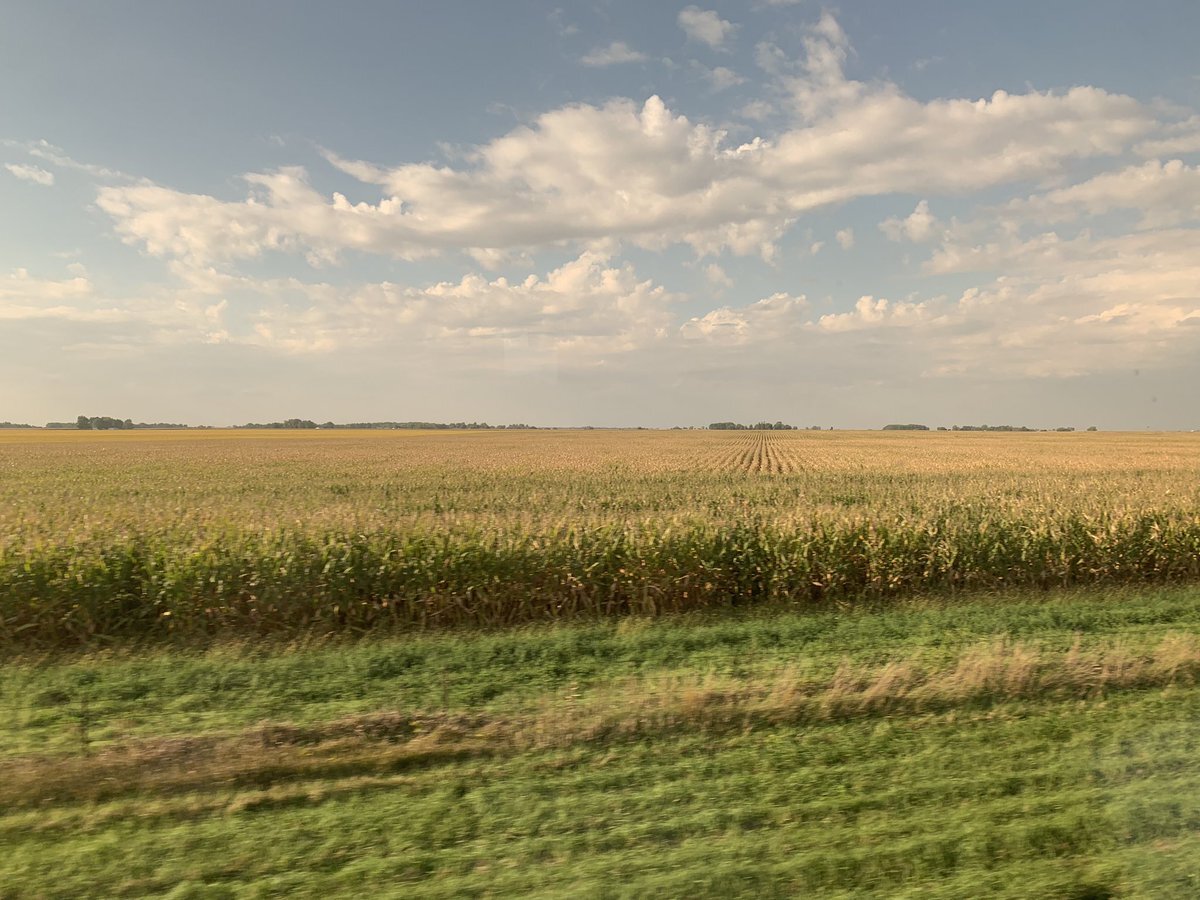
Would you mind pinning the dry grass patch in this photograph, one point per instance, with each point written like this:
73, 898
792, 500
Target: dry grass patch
387, 744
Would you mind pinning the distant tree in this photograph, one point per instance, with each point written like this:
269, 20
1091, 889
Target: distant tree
106, 423
905, 427
757, 426
83, 423
991, 428
1093, 428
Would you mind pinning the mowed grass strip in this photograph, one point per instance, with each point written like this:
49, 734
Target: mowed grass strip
633, 710
1006, 747
126, 694
1024, 800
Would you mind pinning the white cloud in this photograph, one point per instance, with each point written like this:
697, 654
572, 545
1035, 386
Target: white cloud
1067, 307
646, 175
919, 226
33, 174
756, 110
705, 26
56, 156
20, 286
81, 320
722, 78
557, 18
583, 311
717, 276
616, 53
767, 320
818, 83
1178, 138
1101, 308
845, 238
869, 312
1164, 193
771, 59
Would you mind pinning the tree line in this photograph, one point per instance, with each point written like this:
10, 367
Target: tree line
425, 426
108, 423
758, 426
1019, 428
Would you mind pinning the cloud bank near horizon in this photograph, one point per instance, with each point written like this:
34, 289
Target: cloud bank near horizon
604, 246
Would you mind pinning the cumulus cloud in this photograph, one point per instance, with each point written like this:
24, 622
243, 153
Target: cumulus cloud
1066, 306
705, 26
614, 54
766, 320
19, 287
32, 174
1164, 193
919, 226
1059, 309
75, 301
587, 308
585, 176
639, 173
1177, 138
585, 311
870, 312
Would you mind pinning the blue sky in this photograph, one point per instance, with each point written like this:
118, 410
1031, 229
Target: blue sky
601, 213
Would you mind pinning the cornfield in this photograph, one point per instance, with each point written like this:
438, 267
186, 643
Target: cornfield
150, 535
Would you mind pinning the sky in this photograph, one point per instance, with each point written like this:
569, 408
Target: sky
604, 213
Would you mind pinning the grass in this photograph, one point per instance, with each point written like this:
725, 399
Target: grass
117, 538
1015, 745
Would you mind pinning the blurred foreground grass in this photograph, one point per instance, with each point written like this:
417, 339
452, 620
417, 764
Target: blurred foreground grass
1017, 745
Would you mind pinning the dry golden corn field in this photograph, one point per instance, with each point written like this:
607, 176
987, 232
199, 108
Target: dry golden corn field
148, 535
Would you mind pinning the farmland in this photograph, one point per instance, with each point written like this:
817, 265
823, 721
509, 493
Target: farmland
636, 663
151, 536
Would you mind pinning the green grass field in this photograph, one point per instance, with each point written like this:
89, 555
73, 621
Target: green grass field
609, 665
1002, 746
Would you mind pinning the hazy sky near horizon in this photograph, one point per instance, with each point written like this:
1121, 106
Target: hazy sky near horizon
607, 213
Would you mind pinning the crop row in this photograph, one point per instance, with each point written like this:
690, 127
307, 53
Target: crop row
155, 585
